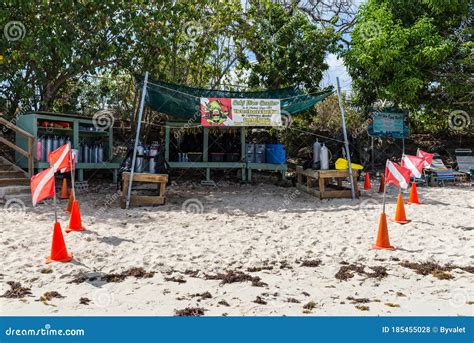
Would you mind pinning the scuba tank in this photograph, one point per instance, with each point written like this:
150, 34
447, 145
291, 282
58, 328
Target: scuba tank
153, 153
95, 154
55, 143
100, 154
86, 151
139, 160
39, 149
324, 157
62, 141
79, 154
49, 147
316, 154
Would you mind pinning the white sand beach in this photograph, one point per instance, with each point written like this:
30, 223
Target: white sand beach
286, 245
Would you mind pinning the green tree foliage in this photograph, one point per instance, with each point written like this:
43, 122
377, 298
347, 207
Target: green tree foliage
61, 41
287, 48
415, 54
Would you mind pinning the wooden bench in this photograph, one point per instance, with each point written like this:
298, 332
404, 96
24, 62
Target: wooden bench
144, 200
323, 182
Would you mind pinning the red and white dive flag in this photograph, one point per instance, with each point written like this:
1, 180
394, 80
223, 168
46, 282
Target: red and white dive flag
60, 159
396, 174
42, 185
415, 164
427, 157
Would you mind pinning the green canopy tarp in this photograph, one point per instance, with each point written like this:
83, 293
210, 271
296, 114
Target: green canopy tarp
183, 102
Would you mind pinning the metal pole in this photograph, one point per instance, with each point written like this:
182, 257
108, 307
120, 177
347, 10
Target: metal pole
383, 199
72, 175
346, 142
137, 137
372, 152
55, 205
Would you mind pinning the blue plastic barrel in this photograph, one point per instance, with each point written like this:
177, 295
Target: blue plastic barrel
275, 153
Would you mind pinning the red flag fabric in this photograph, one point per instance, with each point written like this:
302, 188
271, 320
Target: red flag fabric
42, 185
60, 159
415, 164
397, 175
427, 157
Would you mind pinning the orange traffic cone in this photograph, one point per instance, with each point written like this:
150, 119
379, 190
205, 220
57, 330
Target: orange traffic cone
400, 216
75, 222
383, 242
69, 203
367, 184
382, 184
64, 190
413, 198
59, 251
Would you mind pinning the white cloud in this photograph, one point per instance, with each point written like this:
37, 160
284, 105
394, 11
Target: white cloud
336, 68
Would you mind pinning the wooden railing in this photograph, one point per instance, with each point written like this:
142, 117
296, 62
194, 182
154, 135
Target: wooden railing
29, 137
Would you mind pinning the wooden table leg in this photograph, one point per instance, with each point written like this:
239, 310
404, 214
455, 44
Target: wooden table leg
321, 187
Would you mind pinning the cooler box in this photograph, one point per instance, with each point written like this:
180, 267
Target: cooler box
275, 154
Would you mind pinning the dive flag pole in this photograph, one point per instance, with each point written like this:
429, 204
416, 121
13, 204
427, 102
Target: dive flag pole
137, 137
346, 142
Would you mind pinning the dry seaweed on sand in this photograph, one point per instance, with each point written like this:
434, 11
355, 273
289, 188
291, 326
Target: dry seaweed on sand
232, 276
204, 295
358, 300
347, 271
190, 312
293, 300
177, 279
138, 272
392, 305
259, 269
427, 268
379, 272
310, 263
362, 307
259, 300
84, 301
113, 277
223, 302
16, 290
310, 305
47, 270
191, 273
50, 295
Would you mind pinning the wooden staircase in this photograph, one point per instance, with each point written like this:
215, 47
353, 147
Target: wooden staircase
14, 183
